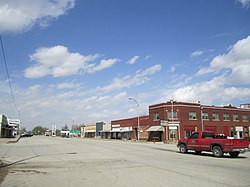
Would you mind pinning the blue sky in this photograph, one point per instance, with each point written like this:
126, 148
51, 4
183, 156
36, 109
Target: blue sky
80, 61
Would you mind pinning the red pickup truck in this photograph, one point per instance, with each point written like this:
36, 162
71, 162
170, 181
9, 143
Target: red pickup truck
217, 144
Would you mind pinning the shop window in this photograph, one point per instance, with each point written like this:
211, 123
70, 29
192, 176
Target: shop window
192, 115
205, 115
244, 118
226, 117
236, 117
174, 114
215, 116
156, 116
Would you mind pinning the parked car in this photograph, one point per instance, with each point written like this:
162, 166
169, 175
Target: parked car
217, 144
26, 135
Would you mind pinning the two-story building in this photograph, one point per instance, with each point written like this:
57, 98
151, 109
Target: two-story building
173, 120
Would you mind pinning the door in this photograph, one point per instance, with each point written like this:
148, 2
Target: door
193, 142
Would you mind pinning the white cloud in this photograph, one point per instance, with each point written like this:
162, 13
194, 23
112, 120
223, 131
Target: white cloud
133, 60
196, 53
21, 15
244, 3
103, 65
67, 85
59, 62
140, 77
208, 92
236, 60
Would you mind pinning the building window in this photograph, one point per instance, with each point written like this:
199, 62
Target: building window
244, 118
215, 116
205, 115
226, 117
192, 115
174, 114
236, 117
156, 116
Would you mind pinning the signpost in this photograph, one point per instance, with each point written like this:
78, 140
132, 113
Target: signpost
53, 130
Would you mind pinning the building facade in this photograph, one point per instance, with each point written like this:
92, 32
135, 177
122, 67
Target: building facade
128, 128
6, 131
180, 119
174, 120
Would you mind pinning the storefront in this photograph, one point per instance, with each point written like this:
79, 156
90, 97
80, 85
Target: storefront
155, 133
119, 132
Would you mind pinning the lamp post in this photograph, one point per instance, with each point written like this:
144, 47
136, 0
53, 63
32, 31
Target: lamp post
172, 103
202, 124
138, 123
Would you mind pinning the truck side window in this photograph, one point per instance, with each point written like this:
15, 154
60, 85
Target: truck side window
207, 135
194, 135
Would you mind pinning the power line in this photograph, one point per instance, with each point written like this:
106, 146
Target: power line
8, 75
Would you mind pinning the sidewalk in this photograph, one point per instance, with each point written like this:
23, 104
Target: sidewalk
9, 140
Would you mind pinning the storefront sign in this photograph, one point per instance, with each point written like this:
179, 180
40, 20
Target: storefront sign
239, 128
172, 127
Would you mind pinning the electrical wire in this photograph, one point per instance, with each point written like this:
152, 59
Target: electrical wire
8, 75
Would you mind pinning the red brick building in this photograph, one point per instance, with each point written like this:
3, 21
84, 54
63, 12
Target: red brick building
180, 119
127, 128
173, 120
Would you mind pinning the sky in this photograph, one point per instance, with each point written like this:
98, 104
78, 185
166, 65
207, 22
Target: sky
79, 61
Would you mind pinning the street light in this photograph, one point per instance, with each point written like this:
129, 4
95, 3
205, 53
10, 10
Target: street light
138, 123
202, 123
172, 109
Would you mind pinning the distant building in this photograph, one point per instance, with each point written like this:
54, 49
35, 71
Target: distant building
15, 124
6, 131
245, 106
92, 130
106, 131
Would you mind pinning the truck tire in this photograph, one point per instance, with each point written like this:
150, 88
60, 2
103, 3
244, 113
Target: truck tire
183, 148
217, 151
234, 154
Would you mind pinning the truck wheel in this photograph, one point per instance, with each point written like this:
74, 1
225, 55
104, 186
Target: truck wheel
234, 154
183, 148
217, 151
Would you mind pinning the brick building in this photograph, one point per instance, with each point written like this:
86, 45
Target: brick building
127, 128
173, 120
180, 119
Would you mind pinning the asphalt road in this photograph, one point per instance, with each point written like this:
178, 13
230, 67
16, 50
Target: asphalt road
54, 161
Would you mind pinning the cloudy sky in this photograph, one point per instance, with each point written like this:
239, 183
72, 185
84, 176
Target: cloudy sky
80, 60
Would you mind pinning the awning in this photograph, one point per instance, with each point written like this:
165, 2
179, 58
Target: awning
105, 131
155, 128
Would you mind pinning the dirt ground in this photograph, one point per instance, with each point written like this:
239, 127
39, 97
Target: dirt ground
3, 171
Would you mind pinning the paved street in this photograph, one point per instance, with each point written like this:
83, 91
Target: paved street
47, 161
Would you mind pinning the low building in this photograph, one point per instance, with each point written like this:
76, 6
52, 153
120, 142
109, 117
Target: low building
93, 130
15, 124
6, 131
106, 131
128, 128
